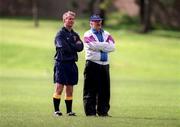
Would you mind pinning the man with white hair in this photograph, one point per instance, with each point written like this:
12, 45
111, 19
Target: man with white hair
67, 43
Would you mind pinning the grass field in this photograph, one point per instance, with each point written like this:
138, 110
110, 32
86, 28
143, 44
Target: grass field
145, 78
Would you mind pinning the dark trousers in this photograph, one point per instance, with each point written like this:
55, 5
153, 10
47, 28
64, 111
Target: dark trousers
96, 94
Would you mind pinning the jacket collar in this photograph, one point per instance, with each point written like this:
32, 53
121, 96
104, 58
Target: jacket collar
94, 31
66, 30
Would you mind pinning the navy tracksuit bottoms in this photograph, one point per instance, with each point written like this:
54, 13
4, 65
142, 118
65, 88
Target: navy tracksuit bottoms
96, 94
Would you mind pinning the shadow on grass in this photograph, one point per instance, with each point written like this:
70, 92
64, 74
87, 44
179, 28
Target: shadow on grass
166, 33
144, 118
126, 117
132, 81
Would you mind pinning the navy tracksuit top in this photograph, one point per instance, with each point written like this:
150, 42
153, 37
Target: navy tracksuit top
67, 46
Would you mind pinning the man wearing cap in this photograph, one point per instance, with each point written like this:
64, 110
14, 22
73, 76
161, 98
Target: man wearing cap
97, 44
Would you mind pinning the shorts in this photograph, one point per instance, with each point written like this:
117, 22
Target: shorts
65, 73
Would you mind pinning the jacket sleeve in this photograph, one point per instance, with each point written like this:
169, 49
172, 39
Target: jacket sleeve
78, 44
60, 43
107, 46
92, 44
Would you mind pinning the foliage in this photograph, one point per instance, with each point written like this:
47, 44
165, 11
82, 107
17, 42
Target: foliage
105, 5
168, 2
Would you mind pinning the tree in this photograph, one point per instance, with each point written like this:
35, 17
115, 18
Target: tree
73, 5
91, 6
35, 13
103, 6
145, 15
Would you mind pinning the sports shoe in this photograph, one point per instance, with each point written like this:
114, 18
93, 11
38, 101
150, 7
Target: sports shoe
58, 113
71, 114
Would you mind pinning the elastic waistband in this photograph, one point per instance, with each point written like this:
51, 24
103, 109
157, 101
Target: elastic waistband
92, 62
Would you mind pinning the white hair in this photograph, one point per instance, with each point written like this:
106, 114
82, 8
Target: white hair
68, 13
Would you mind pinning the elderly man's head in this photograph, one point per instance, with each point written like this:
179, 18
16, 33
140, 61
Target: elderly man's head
96, 22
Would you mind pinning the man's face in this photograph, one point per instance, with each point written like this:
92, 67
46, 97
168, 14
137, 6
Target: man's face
96, 24
69, 21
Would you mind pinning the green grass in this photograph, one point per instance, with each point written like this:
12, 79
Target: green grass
145, 78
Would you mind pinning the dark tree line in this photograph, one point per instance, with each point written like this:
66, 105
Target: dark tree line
147, 12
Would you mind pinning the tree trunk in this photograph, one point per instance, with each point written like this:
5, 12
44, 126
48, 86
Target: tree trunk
91, 6
103, 12
142, 11
145, 14
35, 13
